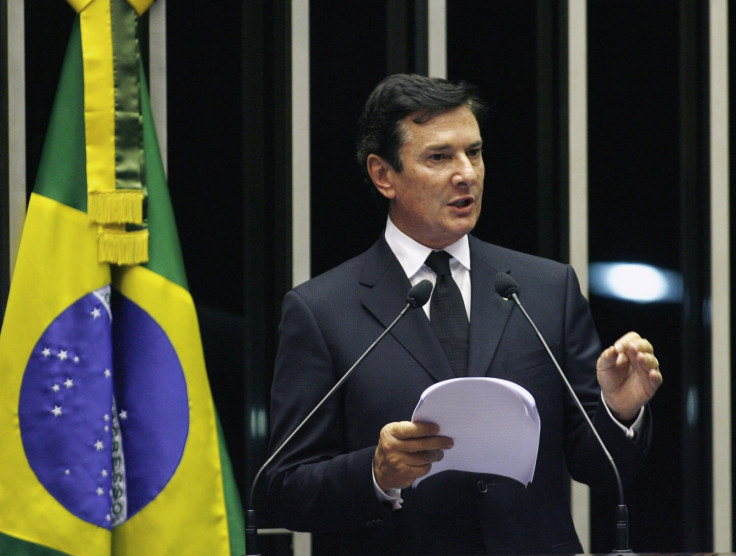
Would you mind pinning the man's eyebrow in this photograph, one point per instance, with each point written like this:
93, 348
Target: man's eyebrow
446, 147
438, 147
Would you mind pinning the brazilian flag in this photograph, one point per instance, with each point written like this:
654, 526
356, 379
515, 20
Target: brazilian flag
109, 438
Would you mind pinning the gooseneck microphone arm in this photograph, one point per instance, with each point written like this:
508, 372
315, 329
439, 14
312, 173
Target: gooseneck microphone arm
508, 288
417, 296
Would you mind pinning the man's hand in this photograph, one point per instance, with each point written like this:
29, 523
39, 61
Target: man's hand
406, 452
628, 374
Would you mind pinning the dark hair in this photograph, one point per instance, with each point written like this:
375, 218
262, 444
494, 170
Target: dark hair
398, 96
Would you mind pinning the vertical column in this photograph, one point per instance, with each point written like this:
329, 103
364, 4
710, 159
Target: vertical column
266, 131
552, 131
437, 41
720, 276
301, 252
301, 171
157, 63
578, 198
407, 37
4, 156
16, 129
694, 180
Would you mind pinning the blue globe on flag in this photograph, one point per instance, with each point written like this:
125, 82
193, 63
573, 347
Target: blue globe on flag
91, 408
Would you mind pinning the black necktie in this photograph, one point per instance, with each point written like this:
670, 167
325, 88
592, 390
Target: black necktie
447, 313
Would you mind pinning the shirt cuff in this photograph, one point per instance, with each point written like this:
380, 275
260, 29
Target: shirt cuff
631, 431
392, 498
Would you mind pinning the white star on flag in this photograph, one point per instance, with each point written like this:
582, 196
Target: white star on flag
63, 354
56, 411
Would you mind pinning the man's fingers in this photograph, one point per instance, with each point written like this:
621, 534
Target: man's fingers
628, 338
405, 430
398, 439
406, 451
423, 458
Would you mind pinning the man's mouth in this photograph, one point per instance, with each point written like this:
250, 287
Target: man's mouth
461, 203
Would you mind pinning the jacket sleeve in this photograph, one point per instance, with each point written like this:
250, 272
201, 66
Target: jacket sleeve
585, 457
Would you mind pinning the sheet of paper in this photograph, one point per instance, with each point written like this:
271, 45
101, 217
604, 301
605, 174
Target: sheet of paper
494, 423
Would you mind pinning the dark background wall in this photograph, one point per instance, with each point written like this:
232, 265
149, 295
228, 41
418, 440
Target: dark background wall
230, 170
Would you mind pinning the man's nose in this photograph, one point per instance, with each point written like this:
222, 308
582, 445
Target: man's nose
466, 172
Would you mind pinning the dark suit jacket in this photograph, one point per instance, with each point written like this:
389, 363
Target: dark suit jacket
322, 481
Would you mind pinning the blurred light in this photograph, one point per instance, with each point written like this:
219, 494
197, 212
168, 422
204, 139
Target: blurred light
258, 423
640, 283
691, 406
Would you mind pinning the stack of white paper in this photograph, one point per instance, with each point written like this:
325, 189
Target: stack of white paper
494, 423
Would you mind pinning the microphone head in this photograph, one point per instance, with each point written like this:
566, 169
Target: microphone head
505, 285
419, 294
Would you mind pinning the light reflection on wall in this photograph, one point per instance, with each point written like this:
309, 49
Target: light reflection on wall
635, 282
258, 423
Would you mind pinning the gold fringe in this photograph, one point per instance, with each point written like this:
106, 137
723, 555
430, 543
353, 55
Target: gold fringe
122, 248
115, 207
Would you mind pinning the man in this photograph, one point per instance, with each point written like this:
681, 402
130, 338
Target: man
348, 473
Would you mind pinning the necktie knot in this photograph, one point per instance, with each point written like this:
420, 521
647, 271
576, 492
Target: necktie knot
439, 261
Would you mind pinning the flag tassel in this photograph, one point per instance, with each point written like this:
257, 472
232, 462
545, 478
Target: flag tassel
121, 247
115, 207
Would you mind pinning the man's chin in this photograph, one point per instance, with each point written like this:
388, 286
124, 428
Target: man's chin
465, 225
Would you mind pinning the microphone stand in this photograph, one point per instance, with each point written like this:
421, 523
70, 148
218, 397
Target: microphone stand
622, 512
417, 296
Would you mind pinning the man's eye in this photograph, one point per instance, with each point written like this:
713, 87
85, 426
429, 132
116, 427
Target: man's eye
437, 156
474, 153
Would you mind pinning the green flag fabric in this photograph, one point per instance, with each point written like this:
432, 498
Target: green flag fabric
108, 432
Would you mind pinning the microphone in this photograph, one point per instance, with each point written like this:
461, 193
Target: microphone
507, 287
416, 297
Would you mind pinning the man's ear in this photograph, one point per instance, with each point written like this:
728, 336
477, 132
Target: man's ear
381, 172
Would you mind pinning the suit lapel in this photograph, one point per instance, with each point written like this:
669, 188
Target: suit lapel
385, 296
488, 311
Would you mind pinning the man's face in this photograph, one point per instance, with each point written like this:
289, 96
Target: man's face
436, 199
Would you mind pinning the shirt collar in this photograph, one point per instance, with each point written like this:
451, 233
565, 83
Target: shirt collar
412, 254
